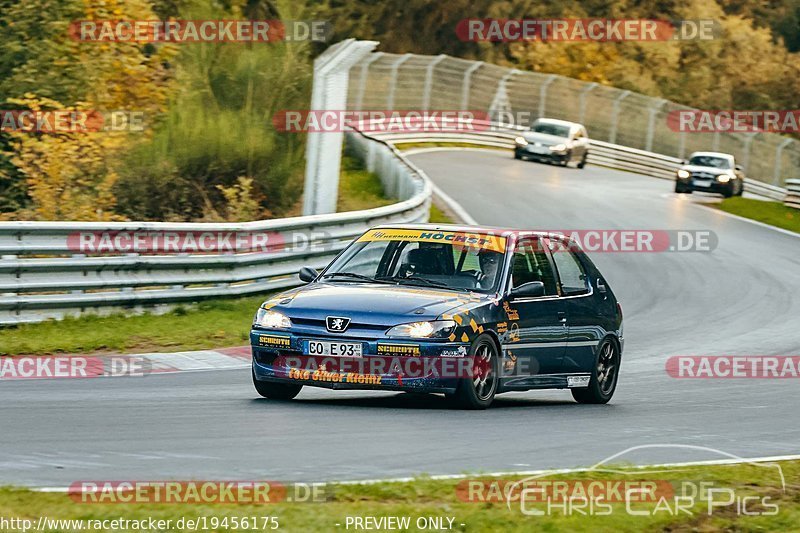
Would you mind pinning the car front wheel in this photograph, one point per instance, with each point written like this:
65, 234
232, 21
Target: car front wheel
276, 391
478, 391
681, 189
603, 381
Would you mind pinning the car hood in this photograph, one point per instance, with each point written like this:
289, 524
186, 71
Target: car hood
714, 171
371, 303
543, 138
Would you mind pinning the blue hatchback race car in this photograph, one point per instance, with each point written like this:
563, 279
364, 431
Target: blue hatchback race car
460, 310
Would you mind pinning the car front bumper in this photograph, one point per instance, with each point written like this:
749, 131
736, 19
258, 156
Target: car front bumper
530, 152
386, 364
713, 186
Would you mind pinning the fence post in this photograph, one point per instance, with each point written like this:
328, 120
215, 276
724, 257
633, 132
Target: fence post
362, 83
466, 82
543, 94
584, 93
500, 103
612, 134
393, 80
324, 150
776, 177
748, 140
654, 108
426, 92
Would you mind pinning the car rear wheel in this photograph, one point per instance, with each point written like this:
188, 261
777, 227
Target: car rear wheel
478, 392
603, 381
583, 160
276, 391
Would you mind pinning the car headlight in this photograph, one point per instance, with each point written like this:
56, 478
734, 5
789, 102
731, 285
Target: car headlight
271, 319
521, 141
683, 174
724, 178
436, 328
559, 148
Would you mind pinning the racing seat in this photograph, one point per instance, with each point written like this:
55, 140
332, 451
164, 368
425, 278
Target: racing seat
430, 261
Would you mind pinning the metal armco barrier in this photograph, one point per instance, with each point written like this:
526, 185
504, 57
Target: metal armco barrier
56, 269
792, 198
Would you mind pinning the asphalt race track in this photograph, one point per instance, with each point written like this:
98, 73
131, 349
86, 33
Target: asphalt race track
739, 299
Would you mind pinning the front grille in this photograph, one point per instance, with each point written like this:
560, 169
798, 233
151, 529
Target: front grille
315, 323
703, 175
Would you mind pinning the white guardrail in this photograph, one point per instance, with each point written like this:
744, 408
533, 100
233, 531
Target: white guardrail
48, 271
792, 194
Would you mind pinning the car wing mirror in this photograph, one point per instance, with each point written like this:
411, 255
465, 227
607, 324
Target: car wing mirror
739, 168
308, 274
531, 289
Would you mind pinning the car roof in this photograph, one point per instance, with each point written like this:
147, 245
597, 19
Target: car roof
559, 122
721, 155
502, 232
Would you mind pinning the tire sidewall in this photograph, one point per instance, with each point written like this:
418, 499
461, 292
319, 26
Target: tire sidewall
466, 394
594, 384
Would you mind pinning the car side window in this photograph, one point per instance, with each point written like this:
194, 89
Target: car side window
530, 263
570, 272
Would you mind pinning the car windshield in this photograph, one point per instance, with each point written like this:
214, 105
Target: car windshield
550, 129
709, 161
448, 260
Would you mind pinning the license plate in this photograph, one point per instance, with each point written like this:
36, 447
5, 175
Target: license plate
702, 183
333, 349
538, 149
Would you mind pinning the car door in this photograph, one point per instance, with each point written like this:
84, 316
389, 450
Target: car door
584, 331
537, 333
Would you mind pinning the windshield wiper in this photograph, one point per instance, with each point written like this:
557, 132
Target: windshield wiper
425, 281
352, 275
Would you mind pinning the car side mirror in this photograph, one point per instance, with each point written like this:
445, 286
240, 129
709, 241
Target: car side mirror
532, 289
308, 274
684, 161
739, 168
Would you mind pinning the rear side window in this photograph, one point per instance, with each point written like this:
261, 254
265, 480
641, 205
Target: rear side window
571, 273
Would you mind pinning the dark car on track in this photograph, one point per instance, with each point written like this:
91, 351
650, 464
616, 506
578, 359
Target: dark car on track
710, 172
553, 141
460, 310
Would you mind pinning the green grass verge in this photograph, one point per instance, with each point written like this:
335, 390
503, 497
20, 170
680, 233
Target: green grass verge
773, 213
359, 188
438, 216
429, 498
209, 324
410, 146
